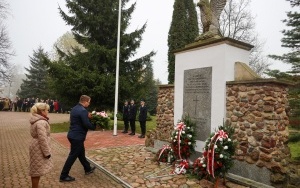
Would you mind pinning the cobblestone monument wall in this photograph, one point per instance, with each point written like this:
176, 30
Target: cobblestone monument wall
165, 116
258, 112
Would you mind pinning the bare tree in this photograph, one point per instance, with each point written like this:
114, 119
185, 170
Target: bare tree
14, 80
3, 10
5, 45
66, 44
237, 22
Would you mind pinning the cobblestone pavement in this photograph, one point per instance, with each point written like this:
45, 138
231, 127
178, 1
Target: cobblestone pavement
135, 165
14, 158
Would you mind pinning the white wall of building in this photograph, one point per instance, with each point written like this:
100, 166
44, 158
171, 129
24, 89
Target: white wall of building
221, 58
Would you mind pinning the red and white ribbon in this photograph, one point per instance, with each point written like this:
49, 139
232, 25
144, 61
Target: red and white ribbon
163, 149
211, 151
180, 127
183, 165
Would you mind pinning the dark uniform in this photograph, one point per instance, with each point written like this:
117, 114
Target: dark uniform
126, 116
143, 118
132, 115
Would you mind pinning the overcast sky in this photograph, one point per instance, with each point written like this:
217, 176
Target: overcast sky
35, 23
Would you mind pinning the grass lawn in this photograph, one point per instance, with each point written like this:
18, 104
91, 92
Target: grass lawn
295, 150
294, 143
64, 127
59, 127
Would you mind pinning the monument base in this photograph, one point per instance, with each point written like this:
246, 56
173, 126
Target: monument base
158, 144
246, 170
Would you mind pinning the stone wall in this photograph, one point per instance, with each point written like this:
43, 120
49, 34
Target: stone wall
165, 116
258, 112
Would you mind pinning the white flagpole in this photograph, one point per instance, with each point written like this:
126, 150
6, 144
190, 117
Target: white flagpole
117, 70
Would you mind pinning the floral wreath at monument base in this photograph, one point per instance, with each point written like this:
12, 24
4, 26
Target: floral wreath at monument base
182, 146
217, 155
165, 155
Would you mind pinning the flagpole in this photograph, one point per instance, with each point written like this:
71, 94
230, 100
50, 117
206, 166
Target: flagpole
117, 70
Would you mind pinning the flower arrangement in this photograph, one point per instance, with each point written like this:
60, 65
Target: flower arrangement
182, 146
217, 155
183, 139
99, 119
182, 167
165, 155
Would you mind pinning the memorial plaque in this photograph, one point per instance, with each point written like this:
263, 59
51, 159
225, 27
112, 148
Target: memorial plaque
197, 99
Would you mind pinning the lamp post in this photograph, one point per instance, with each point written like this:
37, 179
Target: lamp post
117, 70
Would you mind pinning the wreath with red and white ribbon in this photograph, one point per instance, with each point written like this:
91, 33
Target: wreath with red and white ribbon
217, 155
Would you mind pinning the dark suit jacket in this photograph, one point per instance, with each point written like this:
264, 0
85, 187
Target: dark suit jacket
132, 112
125, 112
143, 113
79, 123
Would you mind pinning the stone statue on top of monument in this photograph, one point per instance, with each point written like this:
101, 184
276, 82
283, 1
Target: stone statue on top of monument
210, 11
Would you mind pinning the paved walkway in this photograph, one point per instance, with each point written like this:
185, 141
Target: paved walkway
102, 139
122, 160
14, 158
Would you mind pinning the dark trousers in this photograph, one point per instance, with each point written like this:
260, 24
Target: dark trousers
126, 124
132, 125
77, 151
143, 127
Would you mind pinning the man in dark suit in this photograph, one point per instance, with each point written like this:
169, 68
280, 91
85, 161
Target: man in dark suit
125, 116
132, 116
143, 118
19, 105
79, 125
31, 102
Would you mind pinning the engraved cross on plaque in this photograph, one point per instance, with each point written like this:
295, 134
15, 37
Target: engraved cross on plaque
196, 104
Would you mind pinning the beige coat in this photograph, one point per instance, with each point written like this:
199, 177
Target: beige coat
39, 146
6, 104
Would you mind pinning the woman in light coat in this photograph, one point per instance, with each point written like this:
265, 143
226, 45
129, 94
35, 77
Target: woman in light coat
6, 105
39, 149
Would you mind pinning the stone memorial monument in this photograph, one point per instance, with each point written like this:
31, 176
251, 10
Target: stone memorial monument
214, 84
197, 99
201, 72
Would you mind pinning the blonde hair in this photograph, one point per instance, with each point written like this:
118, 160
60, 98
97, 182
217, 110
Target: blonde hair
37, 108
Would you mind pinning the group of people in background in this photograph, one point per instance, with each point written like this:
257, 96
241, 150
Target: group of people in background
25, 104
129, 117
5, 104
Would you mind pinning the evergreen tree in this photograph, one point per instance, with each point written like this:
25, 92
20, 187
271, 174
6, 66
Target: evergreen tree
183, 30
151, 97
291, 40
35, 84
92, 72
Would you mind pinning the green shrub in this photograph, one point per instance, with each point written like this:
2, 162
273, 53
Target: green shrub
294, 137
295, 122
119, 116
